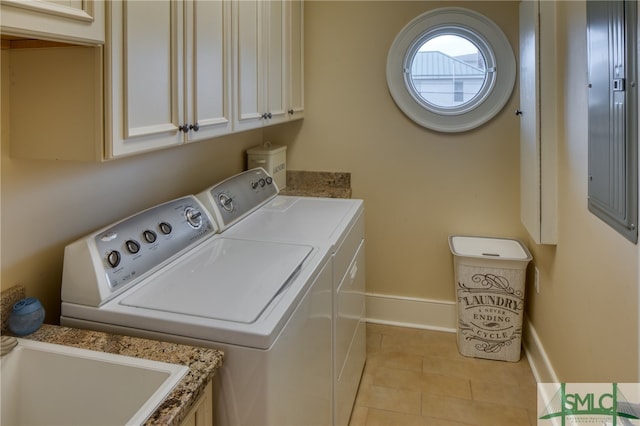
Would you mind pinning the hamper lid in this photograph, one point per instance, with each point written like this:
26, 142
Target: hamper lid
487, 247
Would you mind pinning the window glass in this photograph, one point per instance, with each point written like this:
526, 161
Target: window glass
447, 71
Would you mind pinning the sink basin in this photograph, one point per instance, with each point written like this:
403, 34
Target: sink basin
49, 384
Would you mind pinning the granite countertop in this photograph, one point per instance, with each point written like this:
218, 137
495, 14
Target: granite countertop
202, 362
318, 184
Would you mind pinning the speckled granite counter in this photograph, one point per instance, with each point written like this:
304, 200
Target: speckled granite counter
203, 363
318, 184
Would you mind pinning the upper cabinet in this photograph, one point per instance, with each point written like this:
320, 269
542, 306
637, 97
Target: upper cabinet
538, 124
70, 21
167, 74
267, 62
295, 57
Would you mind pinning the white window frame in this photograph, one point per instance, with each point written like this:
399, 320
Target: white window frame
491, 42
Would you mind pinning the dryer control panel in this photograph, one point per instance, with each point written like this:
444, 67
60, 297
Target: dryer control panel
126, 251
234, 198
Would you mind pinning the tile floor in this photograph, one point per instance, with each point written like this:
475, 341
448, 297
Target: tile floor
417, 377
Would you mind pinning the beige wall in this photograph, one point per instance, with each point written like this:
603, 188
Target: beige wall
48, 204
420, 186
587, 311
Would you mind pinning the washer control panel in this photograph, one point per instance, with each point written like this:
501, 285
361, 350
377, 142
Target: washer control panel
142, 242
236, 197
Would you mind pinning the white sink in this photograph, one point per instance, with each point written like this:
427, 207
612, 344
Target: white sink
48, 384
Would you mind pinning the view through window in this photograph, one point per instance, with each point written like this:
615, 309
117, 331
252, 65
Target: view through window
448, 71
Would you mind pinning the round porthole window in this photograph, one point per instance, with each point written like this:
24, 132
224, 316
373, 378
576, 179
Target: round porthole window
451, 70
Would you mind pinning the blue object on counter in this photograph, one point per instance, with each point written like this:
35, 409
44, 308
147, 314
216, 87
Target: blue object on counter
26, 316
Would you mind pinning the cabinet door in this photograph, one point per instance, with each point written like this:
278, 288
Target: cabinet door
295, 55
261, 33
274, 43
144, 75
538, 146
72, 21
207, 68
248, 70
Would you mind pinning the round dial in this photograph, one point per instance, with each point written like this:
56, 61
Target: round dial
165, 228
132, 246
226, 202
194, 217
149, 236
113, 258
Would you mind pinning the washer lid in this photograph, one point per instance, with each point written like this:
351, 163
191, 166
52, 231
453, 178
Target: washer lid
225, 279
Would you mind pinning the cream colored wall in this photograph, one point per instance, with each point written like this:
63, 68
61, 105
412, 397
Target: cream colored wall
48, 204
419, 186
586, 314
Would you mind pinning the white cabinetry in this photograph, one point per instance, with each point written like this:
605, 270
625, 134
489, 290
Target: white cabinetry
163, 78
538, 125
267, 58
202, 412
166, 74
295, 54
350, 341
73, 21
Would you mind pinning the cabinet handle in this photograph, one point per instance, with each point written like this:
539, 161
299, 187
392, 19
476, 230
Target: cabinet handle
267, 115
290, 112
195, 127
184, 128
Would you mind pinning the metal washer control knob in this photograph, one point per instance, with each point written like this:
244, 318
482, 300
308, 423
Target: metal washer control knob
150, 236
132, 246
165, 228
226, 202
113, 258
193, 216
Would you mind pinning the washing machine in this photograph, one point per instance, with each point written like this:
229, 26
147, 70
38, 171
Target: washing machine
167, 274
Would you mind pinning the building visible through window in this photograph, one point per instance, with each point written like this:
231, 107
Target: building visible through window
448, 71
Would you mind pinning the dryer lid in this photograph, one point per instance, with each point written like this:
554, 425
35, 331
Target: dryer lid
225, 279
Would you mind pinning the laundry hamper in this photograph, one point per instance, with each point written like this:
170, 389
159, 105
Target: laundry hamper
490, 278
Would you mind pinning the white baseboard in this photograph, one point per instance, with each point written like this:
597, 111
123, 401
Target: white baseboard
441, 316
538, 360
411, 312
